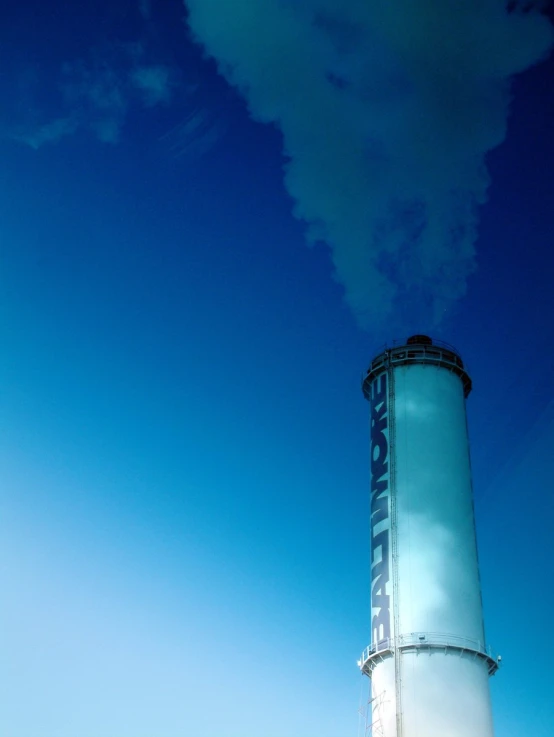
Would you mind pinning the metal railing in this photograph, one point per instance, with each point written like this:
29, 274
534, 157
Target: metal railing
427, 641
391, 344
434, 354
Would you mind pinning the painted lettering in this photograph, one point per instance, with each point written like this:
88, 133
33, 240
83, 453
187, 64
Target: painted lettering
380, 525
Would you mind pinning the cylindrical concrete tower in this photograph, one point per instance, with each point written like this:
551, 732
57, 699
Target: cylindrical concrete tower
428, 661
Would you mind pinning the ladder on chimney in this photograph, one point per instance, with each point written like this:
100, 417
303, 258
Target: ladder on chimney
371, 713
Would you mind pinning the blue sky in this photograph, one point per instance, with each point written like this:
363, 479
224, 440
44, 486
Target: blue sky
184, 441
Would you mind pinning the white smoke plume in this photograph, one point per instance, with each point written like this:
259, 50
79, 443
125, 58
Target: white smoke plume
387, 109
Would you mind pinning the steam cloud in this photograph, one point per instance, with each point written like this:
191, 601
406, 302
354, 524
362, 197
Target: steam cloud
387, 110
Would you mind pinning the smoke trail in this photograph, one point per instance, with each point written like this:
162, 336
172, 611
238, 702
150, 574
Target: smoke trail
387, 109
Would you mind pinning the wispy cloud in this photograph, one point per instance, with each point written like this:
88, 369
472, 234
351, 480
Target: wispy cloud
145, 9
47, 133
97, 94
156, 83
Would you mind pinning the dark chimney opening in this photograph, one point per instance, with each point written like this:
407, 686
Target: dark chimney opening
419, 340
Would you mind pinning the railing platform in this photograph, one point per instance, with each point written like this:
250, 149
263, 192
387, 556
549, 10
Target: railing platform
426, 642
436, 354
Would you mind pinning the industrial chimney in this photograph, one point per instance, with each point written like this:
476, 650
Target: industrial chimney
428, 661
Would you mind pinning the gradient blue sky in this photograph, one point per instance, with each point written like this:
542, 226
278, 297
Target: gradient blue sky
184, 442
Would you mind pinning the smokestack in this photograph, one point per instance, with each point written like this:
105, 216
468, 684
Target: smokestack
428, 661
